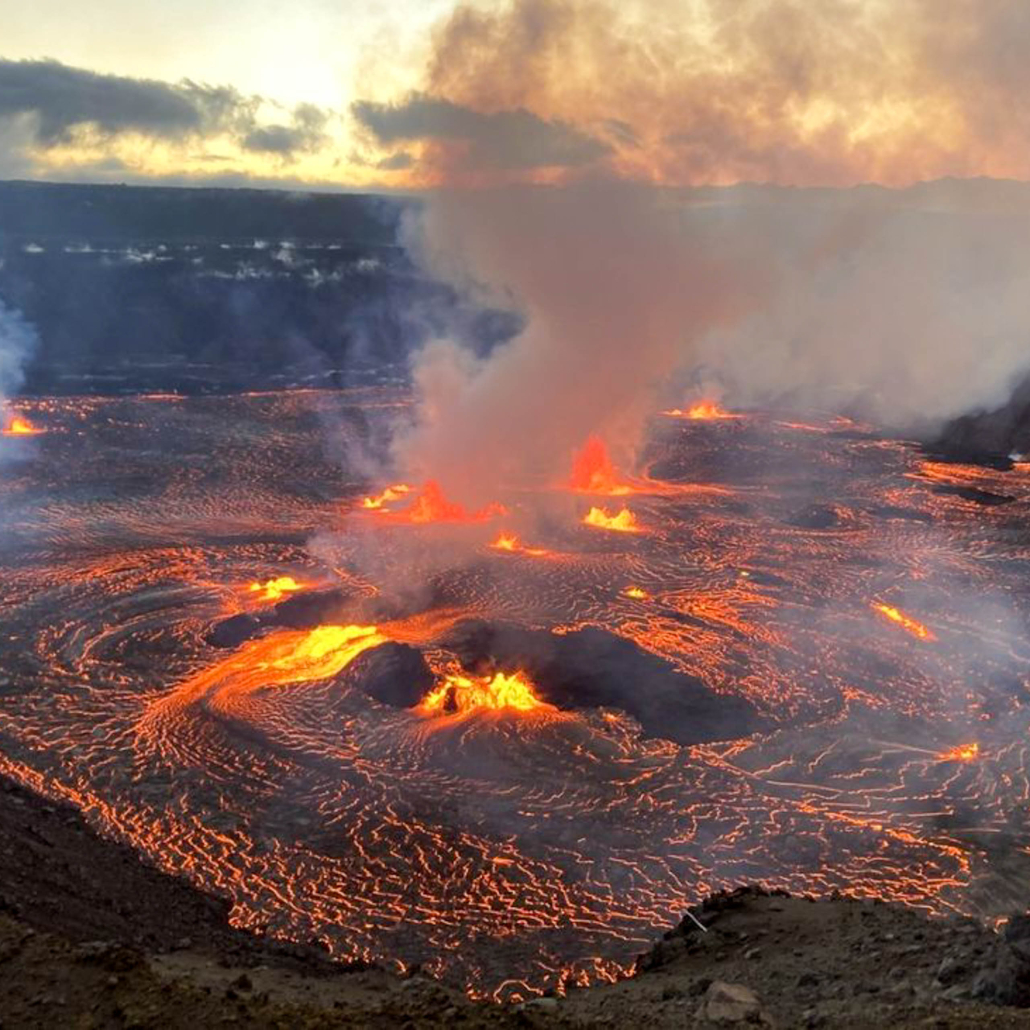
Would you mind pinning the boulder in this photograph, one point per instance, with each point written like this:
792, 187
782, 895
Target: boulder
726, 1004
310, 609
394, 674
1008, 982
233, 631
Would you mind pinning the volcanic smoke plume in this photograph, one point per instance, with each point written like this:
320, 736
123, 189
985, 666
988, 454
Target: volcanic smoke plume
613, 294
908, 307
621, 287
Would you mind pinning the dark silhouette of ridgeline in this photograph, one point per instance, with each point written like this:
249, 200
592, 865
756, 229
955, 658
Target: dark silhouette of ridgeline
136, 289
65, 211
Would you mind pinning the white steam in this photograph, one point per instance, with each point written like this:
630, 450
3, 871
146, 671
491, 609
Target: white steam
906, 317
614, 293
902, 311
18, 341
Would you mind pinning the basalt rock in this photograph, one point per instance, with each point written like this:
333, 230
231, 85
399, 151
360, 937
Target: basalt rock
988, 437
309, 610
1008, 982
592, 668
727, 1004
233, 631
394, 674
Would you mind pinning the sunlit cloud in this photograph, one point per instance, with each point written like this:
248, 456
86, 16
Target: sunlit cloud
679, 93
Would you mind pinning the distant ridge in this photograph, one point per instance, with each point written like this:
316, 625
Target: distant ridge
115, 212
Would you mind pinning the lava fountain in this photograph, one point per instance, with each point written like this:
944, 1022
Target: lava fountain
272, 590
393, 493
594, 473
622, 521
509, 543
462, 694
19, 425
432, 505
702, 411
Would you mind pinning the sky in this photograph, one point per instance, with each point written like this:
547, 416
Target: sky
409, 94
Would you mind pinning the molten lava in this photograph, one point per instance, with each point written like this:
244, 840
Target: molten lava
279, 659
517, 849
275, 589
18, 425
510, 544
593, 471
391, 493
962, 753
432, 506
317, 653
466, 694
623, 521
701, 411
895, 615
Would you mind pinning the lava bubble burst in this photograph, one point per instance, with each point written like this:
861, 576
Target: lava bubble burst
796, 654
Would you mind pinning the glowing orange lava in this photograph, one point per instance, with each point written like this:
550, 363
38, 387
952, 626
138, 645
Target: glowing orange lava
275, 589
432, 506
18, 425
457, 694
917, 629
593, 471
391, 493
623, 521
962, 753
701, 411
637, 593
511, 544
281, 659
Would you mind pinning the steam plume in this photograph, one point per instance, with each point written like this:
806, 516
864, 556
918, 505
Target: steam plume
612, 292
907, 307
17, 343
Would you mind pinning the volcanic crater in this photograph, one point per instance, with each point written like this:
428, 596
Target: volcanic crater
514, 768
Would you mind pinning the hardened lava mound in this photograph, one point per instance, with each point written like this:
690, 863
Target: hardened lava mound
513, 743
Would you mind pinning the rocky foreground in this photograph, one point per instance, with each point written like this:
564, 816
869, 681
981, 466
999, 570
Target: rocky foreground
91, 937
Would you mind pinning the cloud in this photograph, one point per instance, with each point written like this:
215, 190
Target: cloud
306, 133
62, 99
799, 92
506, 139
396, 162
55, 118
